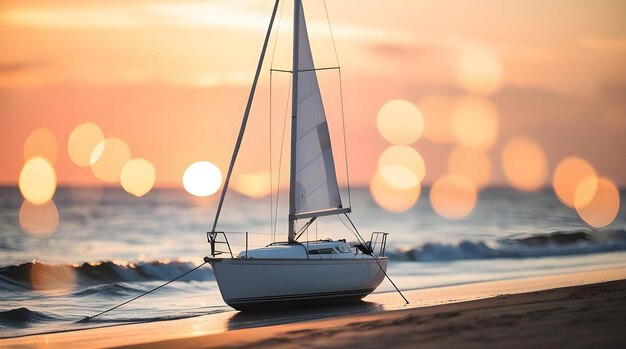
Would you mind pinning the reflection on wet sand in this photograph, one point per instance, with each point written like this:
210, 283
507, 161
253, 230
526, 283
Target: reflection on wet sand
241, 320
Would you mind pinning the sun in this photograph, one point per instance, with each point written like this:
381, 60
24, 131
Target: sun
202, 178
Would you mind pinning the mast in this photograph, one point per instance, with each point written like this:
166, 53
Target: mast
294, 121
244, 122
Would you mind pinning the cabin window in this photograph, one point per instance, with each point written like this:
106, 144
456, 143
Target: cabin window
342, 249
322, 251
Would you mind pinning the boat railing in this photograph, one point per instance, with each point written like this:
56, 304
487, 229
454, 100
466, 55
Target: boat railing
220, 244
213, 237
378, 240
218, 238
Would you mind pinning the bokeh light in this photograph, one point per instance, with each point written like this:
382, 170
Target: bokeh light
437, 113
400, 122
402, 167
585, 191
138, 177
39, 220
390, 198
475, 122
525, 164
471, 163
42, 143
570, 172
603, 207
37, 181
254, 185
202, 178
113, 155
82, 142
453, 196
479, 71
52, 278
399, 176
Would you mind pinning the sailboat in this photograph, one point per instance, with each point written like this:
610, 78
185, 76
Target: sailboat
284, 273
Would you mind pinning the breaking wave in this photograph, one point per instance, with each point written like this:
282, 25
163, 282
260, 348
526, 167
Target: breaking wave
109, 275
559, 243
117, 278
21, 317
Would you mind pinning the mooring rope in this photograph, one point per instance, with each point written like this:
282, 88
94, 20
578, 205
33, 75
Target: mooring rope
88, 318
360, 238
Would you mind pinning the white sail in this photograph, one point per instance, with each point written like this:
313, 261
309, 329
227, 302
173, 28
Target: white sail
316, 186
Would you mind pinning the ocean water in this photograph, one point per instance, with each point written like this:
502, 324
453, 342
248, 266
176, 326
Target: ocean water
109, 247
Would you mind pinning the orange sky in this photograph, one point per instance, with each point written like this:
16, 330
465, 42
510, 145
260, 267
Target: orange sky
171, 77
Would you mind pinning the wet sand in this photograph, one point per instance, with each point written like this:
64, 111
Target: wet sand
572, 317
575, 310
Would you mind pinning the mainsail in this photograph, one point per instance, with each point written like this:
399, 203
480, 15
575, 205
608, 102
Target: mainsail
316, 189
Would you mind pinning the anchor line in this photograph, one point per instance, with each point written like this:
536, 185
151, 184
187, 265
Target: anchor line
89, 318
359, 237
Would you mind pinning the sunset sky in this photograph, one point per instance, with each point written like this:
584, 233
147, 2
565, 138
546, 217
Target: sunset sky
171, 78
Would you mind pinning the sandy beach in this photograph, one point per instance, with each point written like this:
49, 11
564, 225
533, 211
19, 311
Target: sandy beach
576, 310
578, 316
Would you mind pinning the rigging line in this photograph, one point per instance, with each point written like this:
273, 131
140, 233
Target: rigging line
272, 229
273, 221
350, 229
347, 227
246, 114
282, 70
280, 157
271, 173
280, 16
343, 119
375, 258
89, 318
304, 70
316, 69
345, 142
305, 228
330, 29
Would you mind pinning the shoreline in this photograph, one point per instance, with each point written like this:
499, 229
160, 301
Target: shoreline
231, 328
574, 316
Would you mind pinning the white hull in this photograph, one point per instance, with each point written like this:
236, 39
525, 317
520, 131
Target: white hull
248, 283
